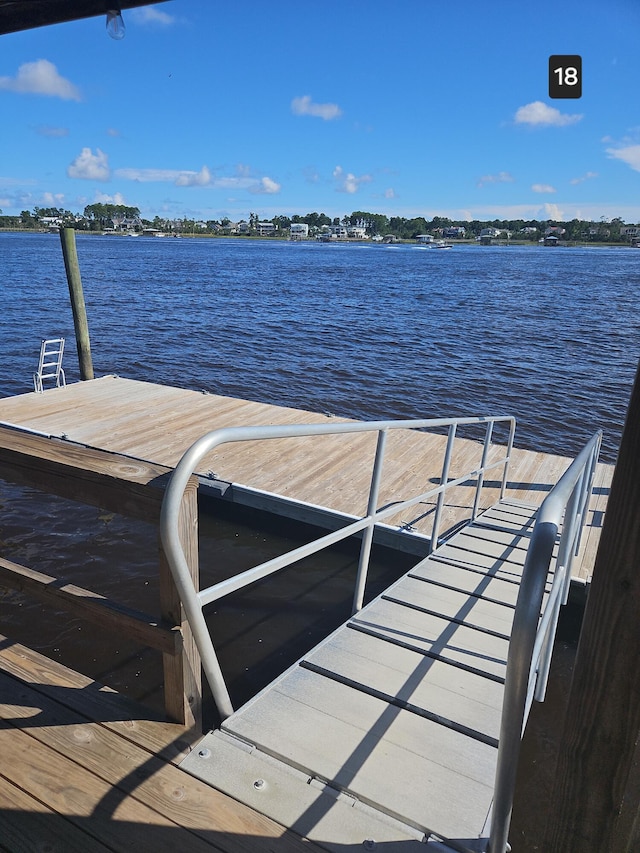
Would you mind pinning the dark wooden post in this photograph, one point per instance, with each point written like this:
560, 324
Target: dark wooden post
68, 241
596, 787
183, 672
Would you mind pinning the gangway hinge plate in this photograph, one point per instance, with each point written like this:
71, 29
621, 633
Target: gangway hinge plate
307, 805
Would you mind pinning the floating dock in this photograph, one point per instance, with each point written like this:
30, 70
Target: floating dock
404, 699
156, 424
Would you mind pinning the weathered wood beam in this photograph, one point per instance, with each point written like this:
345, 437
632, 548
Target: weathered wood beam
596, 794
86, 604
133, 488
94, 477
183, 674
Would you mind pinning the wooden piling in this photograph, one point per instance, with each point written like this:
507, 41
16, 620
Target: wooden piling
81, 326
596, 797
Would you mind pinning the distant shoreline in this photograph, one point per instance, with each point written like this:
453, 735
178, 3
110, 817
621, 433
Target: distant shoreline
348, 241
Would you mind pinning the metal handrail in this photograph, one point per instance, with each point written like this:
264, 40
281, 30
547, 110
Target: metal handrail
532, 637
194, 601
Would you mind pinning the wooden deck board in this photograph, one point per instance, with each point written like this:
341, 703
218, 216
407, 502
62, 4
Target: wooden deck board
157, 424
81, 769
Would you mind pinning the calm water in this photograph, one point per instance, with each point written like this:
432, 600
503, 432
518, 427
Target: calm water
550, 336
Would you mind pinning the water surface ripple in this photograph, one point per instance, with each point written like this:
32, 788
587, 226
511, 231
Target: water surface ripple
549, 335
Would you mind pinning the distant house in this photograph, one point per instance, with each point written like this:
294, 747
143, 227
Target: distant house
266, 229
491, 231
339, 232
299, 230
555, 231
357, 232
630, 231
455, 232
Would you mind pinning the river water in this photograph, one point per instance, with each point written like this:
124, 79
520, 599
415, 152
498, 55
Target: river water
551, 336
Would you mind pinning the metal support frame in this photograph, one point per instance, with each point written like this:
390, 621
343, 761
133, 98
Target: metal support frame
194, 601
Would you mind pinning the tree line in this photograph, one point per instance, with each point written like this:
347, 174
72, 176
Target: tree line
105, 216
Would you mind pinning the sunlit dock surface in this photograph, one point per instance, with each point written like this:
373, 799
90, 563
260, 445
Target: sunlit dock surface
85, 770
404, 699
157, 424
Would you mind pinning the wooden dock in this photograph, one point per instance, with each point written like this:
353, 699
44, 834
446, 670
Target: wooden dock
85, 770
112, 441
156, 424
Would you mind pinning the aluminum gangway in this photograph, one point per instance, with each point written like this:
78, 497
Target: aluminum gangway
403, 727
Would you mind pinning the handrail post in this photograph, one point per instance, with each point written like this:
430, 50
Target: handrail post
182, 673
483, 462
433, 544
505, 473
367, 536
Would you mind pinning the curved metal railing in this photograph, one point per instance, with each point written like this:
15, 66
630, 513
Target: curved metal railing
532, 637
194, 601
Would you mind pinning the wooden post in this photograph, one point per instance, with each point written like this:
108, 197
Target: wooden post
596, 788
68, 240
183, 672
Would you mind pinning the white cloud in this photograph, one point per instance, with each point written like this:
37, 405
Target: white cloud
89, 166
629, 154
55, 132
152, 16
500, 178
583, 178
349, 183
145, 176
304, 106
112, 131
41, 78
179, 177
194, 179
52, 199
266, 186
550, 211
543, 188
104, 198
390, 193
541, 115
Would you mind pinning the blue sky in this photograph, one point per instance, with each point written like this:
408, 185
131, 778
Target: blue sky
416, 108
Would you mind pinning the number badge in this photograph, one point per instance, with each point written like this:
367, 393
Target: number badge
565, 76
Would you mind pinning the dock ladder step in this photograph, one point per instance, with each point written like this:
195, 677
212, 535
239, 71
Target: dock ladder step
50, 364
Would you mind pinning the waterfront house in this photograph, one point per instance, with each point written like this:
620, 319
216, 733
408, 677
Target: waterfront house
266, 229
299, 230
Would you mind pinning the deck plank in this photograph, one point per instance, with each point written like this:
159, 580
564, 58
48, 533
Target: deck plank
93, 761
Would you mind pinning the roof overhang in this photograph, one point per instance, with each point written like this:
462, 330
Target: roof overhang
18, 15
